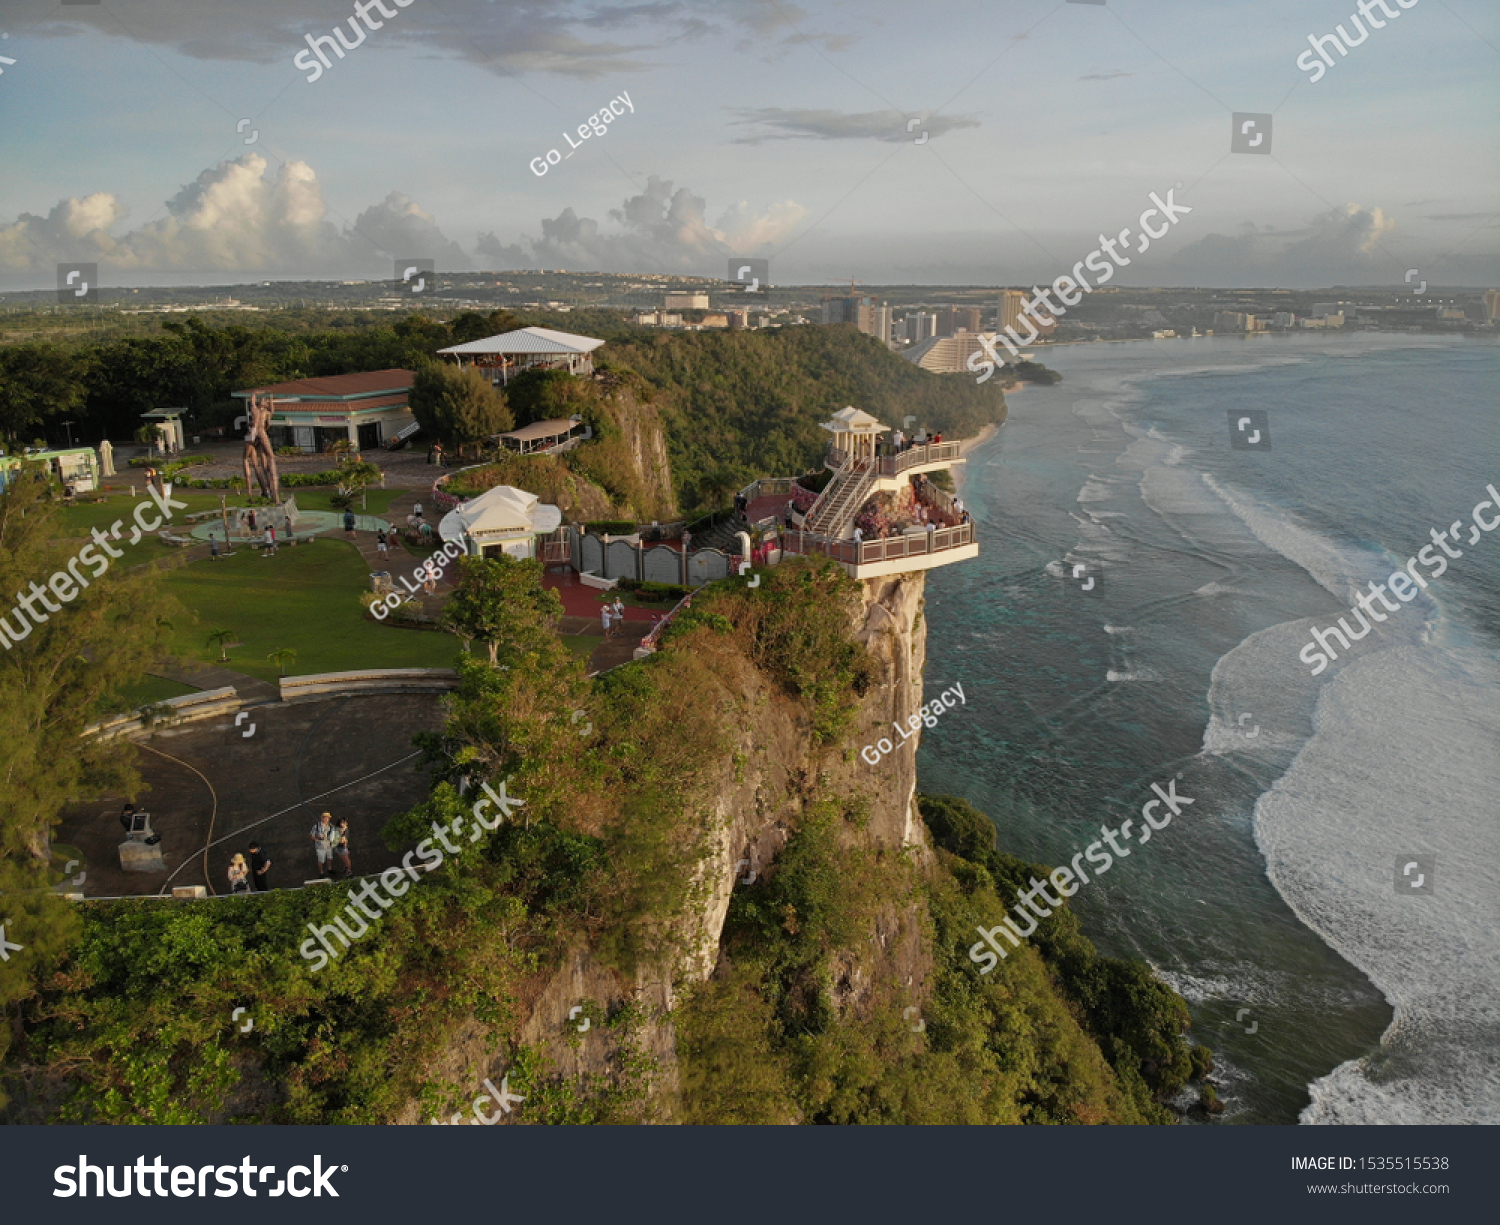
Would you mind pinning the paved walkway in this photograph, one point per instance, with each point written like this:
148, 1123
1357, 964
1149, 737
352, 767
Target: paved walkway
252, 690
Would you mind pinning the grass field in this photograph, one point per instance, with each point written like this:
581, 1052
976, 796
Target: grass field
76, 522
305, 598
145, 692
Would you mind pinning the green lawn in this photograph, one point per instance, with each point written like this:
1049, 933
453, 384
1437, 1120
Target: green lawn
76, 522
305, 598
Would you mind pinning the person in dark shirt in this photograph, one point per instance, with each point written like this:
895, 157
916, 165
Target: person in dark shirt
260, 867
127, 816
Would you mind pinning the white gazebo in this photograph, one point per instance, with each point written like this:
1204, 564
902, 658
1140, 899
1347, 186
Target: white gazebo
497, 357
501, 520
855, 434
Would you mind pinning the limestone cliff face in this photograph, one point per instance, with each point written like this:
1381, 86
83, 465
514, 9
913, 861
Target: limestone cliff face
645, 440
751, 808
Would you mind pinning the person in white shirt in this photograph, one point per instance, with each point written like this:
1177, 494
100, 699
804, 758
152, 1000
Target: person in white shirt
606, 615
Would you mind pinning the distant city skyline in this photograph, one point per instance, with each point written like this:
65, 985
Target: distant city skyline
173, 142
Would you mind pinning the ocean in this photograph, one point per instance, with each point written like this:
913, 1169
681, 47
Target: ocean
1136, 615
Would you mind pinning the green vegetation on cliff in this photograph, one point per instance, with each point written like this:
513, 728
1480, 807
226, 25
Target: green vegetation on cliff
611, 860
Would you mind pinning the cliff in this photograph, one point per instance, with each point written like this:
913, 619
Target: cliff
819, 904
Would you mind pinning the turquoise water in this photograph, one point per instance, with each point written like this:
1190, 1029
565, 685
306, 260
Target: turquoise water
1273, 902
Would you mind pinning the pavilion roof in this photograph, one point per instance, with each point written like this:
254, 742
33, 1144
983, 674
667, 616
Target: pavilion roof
550, 428
851, 420
529, 340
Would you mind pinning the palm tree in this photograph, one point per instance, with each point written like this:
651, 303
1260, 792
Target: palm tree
282, 659
219, 638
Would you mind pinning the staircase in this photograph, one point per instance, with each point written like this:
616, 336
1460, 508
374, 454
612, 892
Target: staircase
833, 514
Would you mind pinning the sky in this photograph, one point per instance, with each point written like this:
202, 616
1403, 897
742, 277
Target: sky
962, 142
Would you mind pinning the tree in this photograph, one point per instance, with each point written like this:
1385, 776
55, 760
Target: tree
58, 669
219, 638
355, 476
282, 659
501, 602
37, 382
715, 488
458, 404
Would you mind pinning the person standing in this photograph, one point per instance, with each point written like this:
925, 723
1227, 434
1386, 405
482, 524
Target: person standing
127, 818
260, 868
349, 524
322, 840
417, 510
252, 522
239, 875
897, 438
341, 847
619, 607
270, 546
606, 615
380, 543
213, 546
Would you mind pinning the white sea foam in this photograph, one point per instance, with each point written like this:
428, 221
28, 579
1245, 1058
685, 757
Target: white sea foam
1402, 763
1135, 674
1331, 567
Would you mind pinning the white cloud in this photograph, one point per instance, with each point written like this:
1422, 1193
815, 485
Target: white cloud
233, 218
659, 230
1339, 247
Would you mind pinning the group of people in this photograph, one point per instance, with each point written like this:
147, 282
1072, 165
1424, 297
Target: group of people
255, 874
612, 615
900, 442
330, 840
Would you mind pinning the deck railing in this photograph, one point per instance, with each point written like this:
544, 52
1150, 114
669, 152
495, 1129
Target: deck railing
871, 552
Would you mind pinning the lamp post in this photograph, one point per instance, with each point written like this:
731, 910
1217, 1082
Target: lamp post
68, 425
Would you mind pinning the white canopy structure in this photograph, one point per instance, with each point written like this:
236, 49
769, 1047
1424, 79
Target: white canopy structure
499, 356
504, 518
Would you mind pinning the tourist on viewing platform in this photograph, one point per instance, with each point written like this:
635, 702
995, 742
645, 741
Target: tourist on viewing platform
339, 841
898, 441
322, 835
260, 868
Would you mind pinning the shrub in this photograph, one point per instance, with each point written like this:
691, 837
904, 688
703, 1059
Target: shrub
658, 591
172, 462
610, 527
